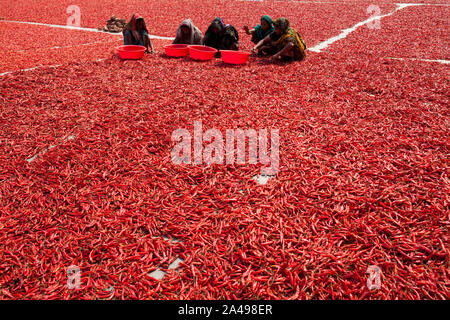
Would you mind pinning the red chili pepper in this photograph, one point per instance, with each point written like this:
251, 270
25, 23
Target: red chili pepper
362, 179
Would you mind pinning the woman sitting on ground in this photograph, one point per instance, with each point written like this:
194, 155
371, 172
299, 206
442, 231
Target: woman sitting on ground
261, 30
188, 33
221, 36
284, 43
135, 33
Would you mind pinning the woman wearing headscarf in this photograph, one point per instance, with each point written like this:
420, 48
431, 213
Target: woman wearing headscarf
188, 33
285, 42
135, 33
221, 36
261, 30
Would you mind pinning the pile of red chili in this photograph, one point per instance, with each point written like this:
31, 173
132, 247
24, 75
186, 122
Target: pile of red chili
87, 178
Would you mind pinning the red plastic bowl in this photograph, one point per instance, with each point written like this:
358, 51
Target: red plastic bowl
234, 57
176, 50
131, 52
202, 52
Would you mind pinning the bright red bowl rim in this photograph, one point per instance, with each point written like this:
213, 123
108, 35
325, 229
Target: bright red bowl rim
136, 48
236, 51
200, 48
243, 53
235, 57
177, 46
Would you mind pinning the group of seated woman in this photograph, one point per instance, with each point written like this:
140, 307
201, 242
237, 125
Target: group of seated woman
271, 38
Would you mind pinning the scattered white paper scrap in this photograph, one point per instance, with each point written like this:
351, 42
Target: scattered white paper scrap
261, 179
157, 274
175, 264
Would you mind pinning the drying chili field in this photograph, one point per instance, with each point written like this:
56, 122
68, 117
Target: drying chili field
87, 180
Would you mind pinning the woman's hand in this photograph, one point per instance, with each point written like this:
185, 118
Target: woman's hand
256, 47
247, 31
275, 57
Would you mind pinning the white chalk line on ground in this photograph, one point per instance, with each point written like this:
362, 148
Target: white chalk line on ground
346, 32
63, 47
70, 137
30, 69
68, 28
39, 67
80, 29
319, 47
419, 59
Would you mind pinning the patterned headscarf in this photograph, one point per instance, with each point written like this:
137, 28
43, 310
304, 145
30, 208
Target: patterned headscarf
282, 24
288, 34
